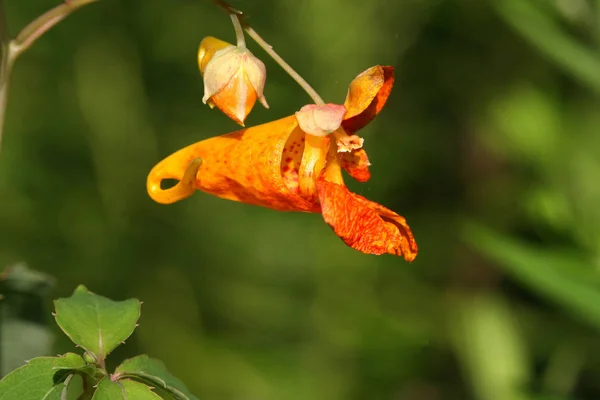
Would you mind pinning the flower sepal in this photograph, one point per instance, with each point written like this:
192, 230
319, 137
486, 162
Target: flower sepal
233, 78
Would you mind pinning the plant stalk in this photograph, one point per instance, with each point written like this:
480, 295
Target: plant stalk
5, 66
286, 67
44, 22
239, 31
11, 49
5, 71
237, 17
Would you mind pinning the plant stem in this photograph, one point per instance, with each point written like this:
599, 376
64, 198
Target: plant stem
44, 22
5, 71
286, 67
239, 31
237, 16
88, 388
11, 49
5, 67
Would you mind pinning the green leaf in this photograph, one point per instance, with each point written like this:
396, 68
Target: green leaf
22, 340
59, 391
39, 379
137, 390
539, 29
23, 329
490, 347
96, 323
154, 373
123, 390
565, 280
108, 390
94, 372
20, 278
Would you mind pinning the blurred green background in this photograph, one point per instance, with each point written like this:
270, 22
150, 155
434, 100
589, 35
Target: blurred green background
489, 146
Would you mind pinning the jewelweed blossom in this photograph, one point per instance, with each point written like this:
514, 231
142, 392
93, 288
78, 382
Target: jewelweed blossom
295, 164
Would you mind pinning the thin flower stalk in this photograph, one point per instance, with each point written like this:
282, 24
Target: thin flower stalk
237, 15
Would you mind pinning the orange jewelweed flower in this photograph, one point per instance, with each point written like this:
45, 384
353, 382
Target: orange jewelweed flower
233, 78
294, 164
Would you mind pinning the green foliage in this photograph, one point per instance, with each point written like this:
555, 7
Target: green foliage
23, 327
562, 278
21, 279
123, 390
540, 28
483, 327
154, 373
98, 325
493, 120
40, 377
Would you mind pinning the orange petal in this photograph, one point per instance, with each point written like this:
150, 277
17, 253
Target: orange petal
367, 95
242, 166
363, 224
356, 163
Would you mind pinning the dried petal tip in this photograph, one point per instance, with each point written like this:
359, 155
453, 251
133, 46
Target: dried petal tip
363, 224
347, 143
233, 78
320, 119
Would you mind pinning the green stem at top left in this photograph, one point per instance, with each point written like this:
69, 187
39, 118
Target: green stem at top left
5, 66
10, 49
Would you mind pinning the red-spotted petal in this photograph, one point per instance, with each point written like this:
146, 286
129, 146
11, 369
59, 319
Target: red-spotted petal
242, 166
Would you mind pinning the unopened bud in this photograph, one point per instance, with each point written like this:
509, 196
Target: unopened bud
233, 78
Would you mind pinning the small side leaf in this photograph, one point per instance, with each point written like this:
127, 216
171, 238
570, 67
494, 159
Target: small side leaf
92, 371
123, 390
59, 391
137, 390
37, 380
108, 390
96, 323
55, 393
153, 372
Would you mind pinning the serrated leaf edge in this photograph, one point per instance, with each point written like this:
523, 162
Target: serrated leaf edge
28, 362
83, 289
149, 379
